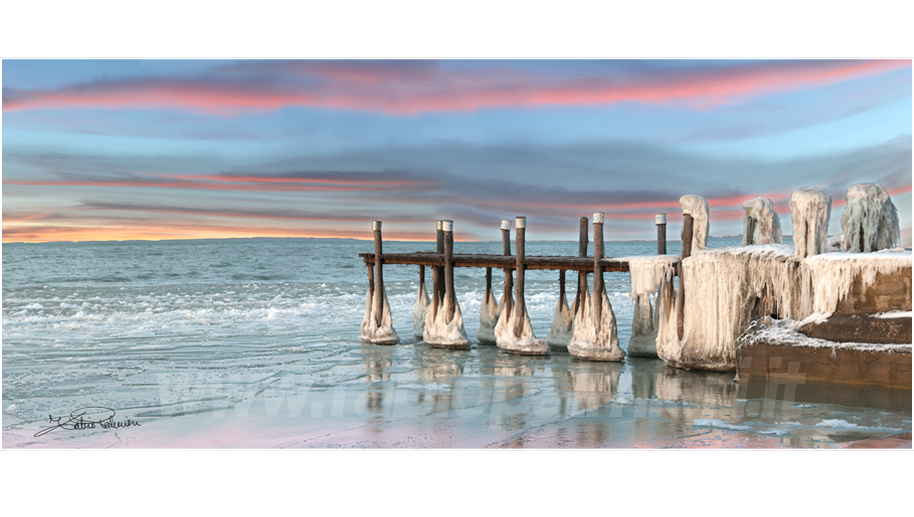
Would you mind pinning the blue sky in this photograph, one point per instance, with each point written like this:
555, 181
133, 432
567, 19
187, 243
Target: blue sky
146, 149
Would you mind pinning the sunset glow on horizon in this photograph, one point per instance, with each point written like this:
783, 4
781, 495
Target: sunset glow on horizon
153, 149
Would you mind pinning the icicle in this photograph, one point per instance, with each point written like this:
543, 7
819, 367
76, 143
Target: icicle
666, 317
697, 207
422, 303
827, 279
767, 227
440, 332
723, 289
870, 220
383, 334
647, 274
591, 343
811, 210
562, 325
525, 343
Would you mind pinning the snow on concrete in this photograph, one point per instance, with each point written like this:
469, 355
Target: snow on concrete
893, 314
810, 211
562, 325
590, 342
383, 333
870, 219
422, 303
647, 273
526, 342
697, 207
443, 333
783, 332
767, 228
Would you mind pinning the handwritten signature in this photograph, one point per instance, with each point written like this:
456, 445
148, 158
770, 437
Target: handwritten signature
86, 418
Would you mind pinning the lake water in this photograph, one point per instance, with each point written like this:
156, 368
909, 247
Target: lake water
255, 343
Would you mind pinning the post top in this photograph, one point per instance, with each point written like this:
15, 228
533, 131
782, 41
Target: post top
598, 218
447, 225
520, 222
376, 225
660, 219
505, 224
438, 224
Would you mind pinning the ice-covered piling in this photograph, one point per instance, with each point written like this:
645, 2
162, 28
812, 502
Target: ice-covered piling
513, 332
377, 324
761, 224
595, 324
563, 322
422, 303
870, 219
810, 210
647, 275
490, 311
697, 207
445, 329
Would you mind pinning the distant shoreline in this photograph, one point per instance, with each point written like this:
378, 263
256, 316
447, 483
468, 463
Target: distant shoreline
334, 239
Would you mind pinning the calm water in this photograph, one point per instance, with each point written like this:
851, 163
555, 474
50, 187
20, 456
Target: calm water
255, 343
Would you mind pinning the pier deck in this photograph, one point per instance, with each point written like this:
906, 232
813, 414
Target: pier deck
422, 258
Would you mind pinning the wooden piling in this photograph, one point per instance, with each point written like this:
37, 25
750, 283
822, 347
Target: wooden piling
440, 249
509, 279
448, 227
371, 285
597, 268
660, 221
377, 301
750, 230
436, 272
687, 228
488, 285
582, 275
561, 284
520, 226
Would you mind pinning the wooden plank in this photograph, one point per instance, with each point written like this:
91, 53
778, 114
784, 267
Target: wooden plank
582, 264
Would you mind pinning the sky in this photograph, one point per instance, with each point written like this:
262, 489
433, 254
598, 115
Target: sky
191, 149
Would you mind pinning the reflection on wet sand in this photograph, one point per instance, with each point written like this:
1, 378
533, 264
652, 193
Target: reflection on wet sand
592, 383
506, 400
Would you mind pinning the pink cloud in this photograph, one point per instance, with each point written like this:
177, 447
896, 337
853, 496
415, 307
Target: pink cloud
406, 89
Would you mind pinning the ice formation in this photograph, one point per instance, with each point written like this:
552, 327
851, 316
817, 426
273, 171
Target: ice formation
826, 279
443, 333
697, 207
422, 303
488, 317
726, 289
647, 274
590, 342
526, 342
810, 210
767, 227
383, 333
562, 325
870, 220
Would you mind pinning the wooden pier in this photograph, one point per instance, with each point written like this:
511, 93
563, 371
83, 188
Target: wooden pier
444, 260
